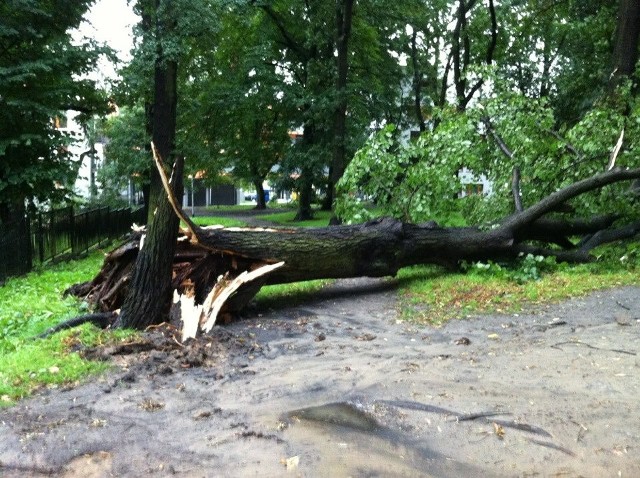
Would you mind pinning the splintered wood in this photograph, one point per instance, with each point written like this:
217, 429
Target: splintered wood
204, 315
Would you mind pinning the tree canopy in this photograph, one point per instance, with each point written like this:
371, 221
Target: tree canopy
41, 77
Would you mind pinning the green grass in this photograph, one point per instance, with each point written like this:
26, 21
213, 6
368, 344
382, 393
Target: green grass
431, 295
320, 219
218, 221
247, 207
236, 208
29, 305
291, 295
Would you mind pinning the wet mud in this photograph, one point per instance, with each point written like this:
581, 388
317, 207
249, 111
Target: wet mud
341, 387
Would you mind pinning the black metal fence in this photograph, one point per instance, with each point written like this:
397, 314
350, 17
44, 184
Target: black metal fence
60, 234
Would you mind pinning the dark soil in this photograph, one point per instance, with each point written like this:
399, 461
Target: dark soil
341, 387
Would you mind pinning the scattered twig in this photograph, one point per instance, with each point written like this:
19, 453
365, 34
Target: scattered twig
553, 446
474, 416
622, 305
581, 431
523, 427
578, 342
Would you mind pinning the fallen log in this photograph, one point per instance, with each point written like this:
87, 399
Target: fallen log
209, 259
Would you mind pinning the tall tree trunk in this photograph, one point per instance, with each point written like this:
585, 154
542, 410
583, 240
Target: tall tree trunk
305, 181
149, 296
625, 55
417, 82
344, 17
260, 201
305, 195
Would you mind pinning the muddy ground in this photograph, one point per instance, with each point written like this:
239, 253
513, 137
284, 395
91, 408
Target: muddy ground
340, 387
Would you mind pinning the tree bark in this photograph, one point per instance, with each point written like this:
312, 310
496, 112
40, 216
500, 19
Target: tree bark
417, 82
148, 298
260, 201
305, 195
344, 17
625, 55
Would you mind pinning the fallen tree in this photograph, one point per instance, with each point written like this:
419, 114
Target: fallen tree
216, 270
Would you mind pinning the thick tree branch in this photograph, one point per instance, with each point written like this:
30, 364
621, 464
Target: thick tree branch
515, 189
607, 236
557, 231
289, 41
557, 198
497, 138
166, 183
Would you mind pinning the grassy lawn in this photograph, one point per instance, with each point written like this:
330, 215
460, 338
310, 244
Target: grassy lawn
430, 295
29, 305
297, 293
235, 208
244, 207
321, 219
217, 221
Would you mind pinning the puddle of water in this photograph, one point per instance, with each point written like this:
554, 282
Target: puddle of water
343, 439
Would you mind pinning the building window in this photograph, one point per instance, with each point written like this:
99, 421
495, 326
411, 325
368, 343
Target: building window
60, 122
473, 189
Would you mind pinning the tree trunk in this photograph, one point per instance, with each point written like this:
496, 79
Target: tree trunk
260, 200
344, 17
305, 181
417, 82
305, 195
149, 296
625, 55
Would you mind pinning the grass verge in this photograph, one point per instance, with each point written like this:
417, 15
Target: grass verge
29, 305
290, 295
217, 221
320, 219
430, 295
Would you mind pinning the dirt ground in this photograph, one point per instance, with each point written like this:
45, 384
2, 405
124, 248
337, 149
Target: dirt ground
340, 387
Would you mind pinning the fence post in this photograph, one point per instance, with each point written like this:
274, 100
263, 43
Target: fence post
52, 233
40, 238
109, 221
26, 237
72, 233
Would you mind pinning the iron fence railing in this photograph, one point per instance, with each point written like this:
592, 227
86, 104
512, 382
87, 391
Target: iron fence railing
60, 234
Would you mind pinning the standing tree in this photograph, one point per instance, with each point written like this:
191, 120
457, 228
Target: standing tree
149, 294
235, 88
625, 54
344, 17
40, 68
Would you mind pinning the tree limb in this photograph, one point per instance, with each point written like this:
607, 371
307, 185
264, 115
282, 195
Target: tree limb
497, 138
607, 236
515, 189
193, 228
557, 198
